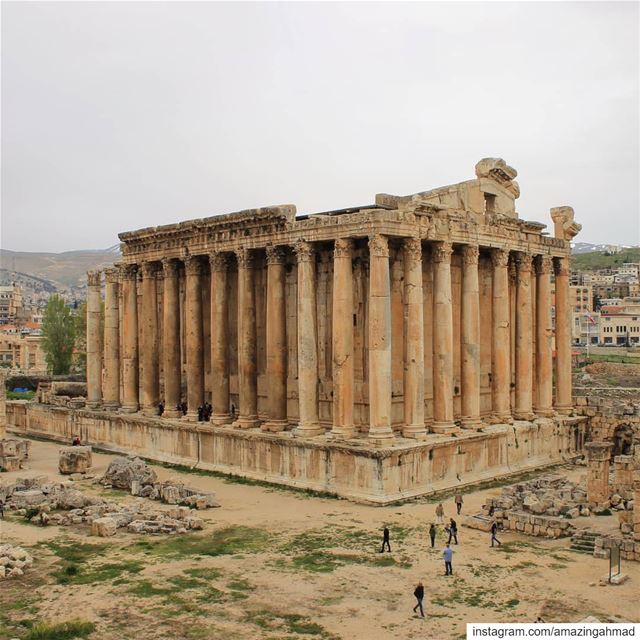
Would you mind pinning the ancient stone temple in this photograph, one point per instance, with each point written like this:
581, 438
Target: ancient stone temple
379, 351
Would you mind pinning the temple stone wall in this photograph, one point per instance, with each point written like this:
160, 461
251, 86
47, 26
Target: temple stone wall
378, 476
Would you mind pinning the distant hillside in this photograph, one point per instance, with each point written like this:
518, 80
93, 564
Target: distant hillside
603, 259
60, 270
587, 247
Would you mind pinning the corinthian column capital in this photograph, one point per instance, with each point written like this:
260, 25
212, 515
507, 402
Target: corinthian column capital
193, 266
500, 257
149, 269
93, 278
111, 275
379, 246
561, 266
218, 261
169, 267
343, 248
543, 265
442, 251
470, 254
523, 262
304, 251
413, 249
276, 255
128, 271
245, 258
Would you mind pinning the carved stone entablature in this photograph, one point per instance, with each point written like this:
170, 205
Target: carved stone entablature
343, 248
561, 266
93, 278
128, 271
276, 255
500, 257
470, 254
193, 266
499, 171
564, 226
441, 251
413, 249
111, 275
543, 265
170, 267
304, 251
378, 246
245, 258
218, 261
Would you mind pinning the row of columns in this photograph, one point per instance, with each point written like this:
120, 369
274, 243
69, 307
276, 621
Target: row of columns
379, 339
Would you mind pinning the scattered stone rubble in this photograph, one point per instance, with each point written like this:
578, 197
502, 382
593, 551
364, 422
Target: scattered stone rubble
56, 503
135, 475
540, 507
74, 460
13, 561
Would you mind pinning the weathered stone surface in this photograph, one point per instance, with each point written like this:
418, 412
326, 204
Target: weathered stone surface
14, 561
74, 460
104, 527
122, 472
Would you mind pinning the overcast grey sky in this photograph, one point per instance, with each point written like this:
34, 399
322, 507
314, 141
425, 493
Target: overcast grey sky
117, 116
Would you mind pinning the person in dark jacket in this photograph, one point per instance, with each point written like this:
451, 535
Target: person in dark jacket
453, 531
160, 408
432, 534
419, 594
494, 531
385, 540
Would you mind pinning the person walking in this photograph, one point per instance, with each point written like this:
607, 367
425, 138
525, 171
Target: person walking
432, 534
440, 514
385, 540
453, 531
494, 531
2, 509
447, 555
419, 594
458, 500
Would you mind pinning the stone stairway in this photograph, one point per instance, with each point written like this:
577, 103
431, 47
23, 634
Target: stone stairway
583, 541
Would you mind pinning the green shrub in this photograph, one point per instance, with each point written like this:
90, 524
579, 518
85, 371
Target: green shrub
61, 631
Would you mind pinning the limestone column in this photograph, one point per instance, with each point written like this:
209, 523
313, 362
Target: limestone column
128, 273
414, 342
111, 341
276, 341
524, 348
307, 342
470, 338
94, 342
380, 432
247, 342
219, 264
342, 334
149, 353
501, 337
442, 340
598, 456
171, 364
194, 337
563, 337
544, 373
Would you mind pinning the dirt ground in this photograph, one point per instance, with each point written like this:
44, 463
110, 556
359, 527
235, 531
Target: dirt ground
273, 564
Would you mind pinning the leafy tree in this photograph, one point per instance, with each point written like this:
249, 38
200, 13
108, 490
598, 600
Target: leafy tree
58, 336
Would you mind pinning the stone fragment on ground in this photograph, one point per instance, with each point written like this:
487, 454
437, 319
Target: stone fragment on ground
14, 561
74, 460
